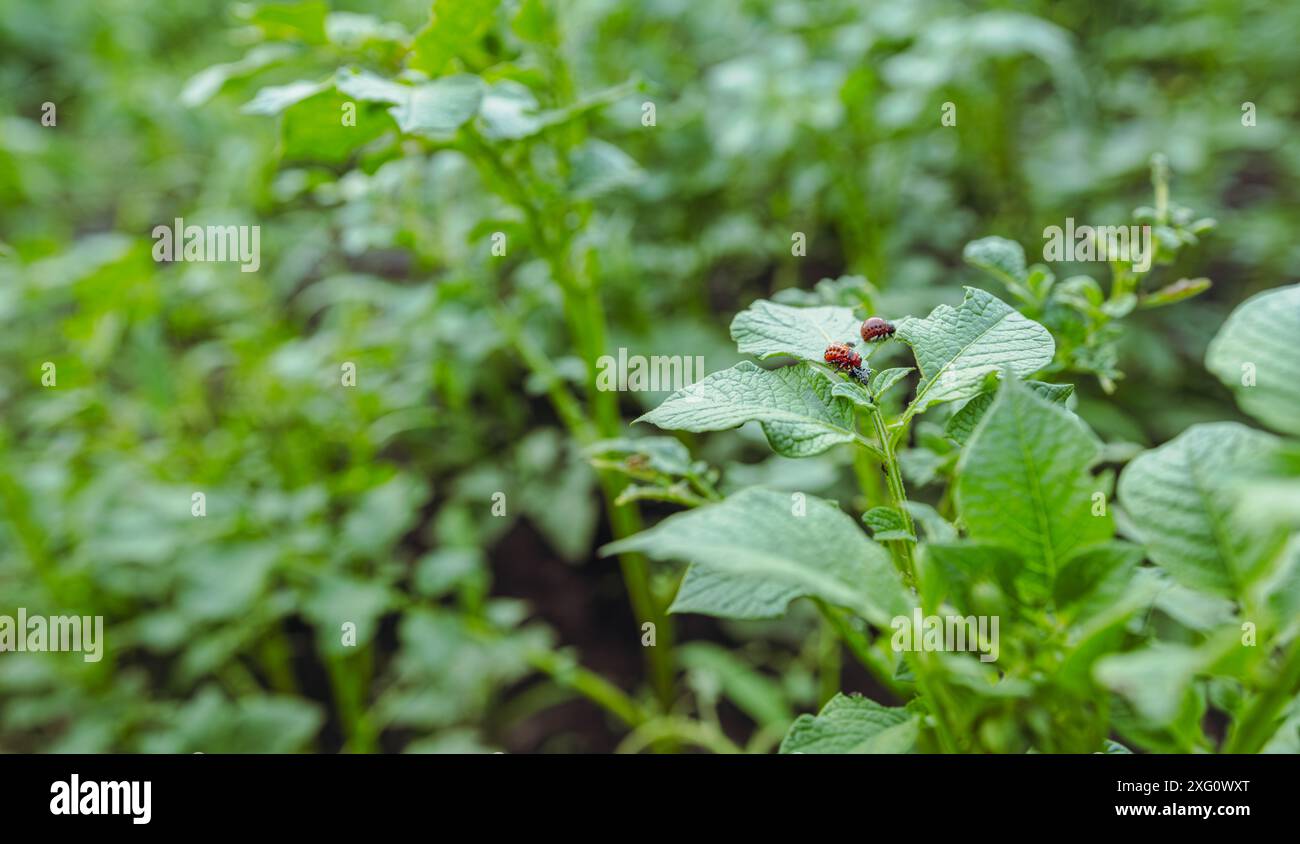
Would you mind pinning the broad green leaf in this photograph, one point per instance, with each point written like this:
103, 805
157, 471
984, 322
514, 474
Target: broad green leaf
956, 347
953, 571
277, 98
1255, 354
1192, 608
1102, 634
767, 329
1157, 679
367, 87
886, 378
598, 168
1091, 578
336, 600
660, 454
1003, 258
1023, 480
456, 27
1178, 497
853, 391
439, 107
755, 552
853, 724
203, 85
886, 524
756, 694
302, 20
510, 111
311, 130
962, 423
795, 405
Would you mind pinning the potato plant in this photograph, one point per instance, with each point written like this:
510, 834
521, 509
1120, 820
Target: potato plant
1123, 623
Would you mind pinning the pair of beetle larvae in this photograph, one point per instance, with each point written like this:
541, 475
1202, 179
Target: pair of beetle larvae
843, 357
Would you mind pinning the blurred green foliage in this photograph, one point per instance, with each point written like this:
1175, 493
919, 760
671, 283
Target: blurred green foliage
373, 504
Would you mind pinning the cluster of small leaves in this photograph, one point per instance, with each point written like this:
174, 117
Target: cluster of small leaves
1084, 317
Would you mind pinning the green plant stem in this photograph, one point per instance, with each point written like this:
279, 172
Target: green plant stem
585, 318
1259, 721
861, 649
350, 678
828, 662
938, 705
568, 674
897, 492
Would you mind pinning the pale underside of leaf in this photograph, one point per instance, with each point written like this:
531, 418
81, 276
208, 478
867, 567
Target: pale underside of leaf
796, 406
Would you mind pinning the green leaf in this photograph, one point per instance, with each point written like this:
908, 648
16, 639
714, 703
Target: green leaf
1093, 577
599, 168
510, 111
886, 378
853, 724
367, 87
751, 555
854, 392
1157, 679
935, 526
1255, 354
660, 454
887, 524
312, 130
1023, 481
1004, 259
205, 84
456, 26
1177, 497
1184, 288
303, 20
795, 405
277, 98
962, 423
767, 329
337, 600
953, 571
757, 695
956, 347
439, 107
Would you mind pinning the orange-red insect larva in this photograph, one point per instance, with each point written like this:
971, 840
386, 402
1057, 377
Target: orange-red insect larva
875, 329
842, 356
